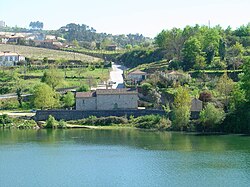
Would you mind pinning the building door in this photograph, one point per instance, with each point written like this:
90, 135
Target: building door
115, 106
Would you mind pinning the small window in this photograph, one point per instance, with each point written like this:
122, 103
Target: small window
82, 101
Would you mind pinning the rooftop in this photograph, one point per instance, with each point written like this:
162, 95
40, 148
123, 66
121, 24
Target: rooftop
137, 72
85, 94
124, 91
116, 91
7, 53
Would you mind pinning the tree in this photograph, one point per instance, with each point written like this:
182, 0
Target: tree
235, 55
191, 52
52, 78
45, 97
225, 87
246, 79
222, 49
69, 99
75, 43
171, 40
237, 97
181, 108
211, 116
36, 25
20, 86
210, 43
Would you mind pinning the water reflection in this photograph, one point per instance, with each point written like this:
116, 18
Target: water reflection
128, 137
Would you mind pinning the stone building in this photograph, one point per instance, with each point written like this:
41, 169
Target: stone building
107, 99
137, 76
196, 105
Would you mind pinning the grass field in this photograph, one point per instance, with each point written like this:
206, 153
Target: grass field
40, 53
74, 78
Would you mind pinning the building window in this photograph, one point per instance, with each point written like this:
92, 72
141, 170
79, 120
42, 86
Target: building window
82, 101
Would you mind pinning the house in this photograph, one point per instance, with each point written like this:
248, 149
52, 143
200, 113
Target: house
107, 99
111, 47
196, 105
8, 58
137, 76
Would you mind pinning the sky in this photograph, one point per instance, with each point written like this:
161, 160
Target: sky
147, 17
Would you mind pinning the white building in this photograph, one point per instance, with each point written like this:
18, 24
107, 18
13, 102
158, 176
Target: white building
2, 23
107, 99
10, 59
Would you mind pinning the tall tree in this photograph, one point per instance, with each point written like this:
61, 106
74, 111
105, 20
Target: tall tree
52, 78
225, 87
45, 97
181, 109
246, 79
191, 52
68, 99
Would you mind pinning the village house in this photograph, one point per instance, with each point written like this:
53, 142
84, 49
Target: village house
196, 105
136, 76
107, 99
111, 47
8, 58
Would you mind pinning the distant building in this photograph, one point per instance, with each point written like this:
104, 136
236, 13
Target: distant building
51, 44
107, 99
196, 105
8, 58
136, 76
2, 23
111, 47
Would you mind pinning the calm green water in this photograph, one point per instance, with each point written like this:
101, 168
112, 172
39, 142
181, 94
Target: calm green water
122, 157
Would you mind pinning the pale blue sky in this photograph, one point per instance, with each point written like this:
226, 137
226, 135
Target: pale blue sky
148, 17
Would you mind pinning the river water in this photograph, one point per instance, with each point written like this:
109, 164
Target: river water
122, 157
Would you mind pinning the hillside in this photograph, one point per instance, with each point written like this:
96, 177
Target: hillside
40, 53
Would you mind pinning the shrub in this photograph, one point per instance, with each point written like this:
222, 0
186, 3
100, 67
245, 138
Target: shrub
146, 87
5, 119
211, 116
205, 96
104, 121
26, 124
51, 122
147, 122
62, 124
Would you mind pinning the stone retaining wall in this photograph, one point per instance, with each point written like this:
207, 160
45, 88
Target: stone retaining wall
42, 115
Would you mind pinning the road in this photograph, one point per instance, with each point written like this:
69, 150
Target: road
116, 76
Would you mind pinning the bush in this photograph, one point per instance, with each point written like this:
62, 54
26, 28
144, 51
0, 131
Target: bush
5, 119
26, 124
146, 87
238, 121
104, 121
51, 122
147, 122
62, 124
210, 117
8, 104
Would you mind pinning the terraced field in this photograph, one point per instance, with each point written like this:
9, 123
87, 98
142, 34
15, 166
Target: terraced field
40, 53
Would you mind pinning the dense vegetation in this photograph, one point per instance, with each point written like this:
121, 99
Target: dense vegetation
198, 47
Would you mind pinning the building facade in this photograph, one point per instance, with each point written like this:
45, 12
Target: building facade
10, 59
137, 76
107, 99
